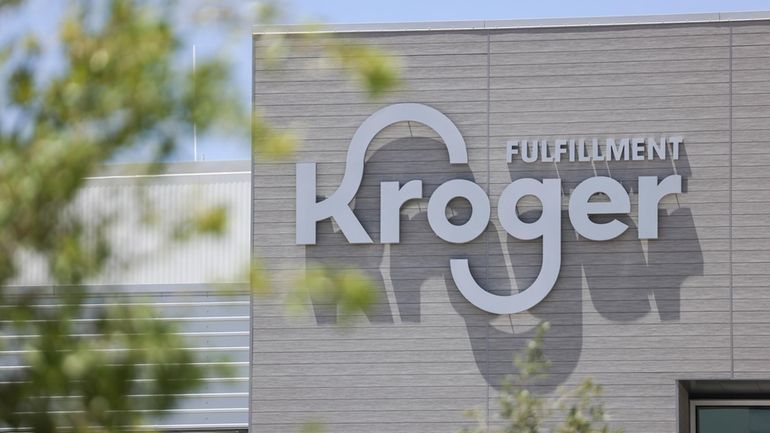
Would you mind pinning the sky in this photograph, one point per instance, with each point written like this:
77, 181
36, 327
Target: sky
42, 15
363, 11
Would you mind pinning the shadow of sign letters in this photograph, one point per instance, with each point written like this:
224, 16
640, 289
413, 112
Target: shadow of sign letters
625, 278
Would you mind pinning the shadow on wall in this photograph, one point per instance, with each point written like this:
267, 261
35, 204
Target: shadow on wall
623, 282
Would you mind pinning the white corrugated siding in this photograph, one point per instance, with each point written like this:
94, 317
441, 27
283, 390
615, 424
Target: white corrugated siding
183, 280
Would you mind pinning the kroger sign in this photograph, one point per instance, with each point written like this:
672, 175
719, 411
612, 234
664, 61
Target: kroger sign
393, 196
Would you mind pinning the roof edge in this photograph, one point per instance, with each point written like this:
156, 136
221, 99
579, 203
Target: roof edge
515, 24
172, 169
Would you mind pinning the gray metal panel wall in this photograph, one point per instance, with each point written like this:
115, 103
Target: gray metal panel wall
634, 315
183, 280
750, 223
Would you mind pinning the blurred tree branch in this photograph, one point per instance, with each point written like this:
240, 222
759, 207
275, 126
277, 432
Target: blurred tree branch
522, 410
120, 88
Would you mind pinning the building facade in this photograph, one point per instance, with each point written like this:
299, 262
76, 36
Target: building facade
660, 293
200, 284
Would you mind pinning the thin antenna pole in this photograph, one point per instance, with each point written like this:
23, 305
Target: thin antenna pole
195, 127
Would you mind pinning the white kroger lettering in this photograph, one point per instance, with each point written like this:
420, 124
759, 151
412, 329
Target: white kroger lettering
308, 211
548, 191
580, 207
650, 194
583, 150
391, 199
547, 226
471, 229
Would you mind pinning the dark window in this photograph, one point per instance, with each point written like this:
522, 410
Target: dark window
732, 419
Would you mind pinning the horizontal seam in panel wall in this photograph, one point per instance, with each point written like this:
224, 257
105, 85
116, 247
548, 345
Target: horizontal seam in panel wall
482, 326
386, 55
534, 169
599, 326
760, 30
641, 374
630, 177
604, 350
574, 111
277, 117
753, 117
453, 410
439, 374
480, 254
557, 303
571, 122
469, 89
631, 85
269, 115
462, 374
587, 74
622, 175
368, 424
576, 98
628, 359
607, 353
302, 398
750, 58
398, 387
600, 348
492, 54
608, 50
374, 399
712, 300
557, 64
607, 358
419, 350
602, 74
765, 45
712, 288
407, 423
276, 72
378, 41
452, 424
446, 339
751, 70
539, 124
536, 100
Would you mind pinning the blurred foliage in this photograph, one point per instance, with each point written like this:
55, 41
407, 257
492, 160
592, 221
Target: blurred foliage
120, 87
372, 68
211, 220
524, 411
312, 427
350, 290
369, 67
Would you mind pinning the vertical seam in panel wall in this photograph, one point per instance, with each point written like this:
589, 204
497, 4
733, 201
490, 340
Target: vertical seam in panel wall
252, 243
730, 183
486, 238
